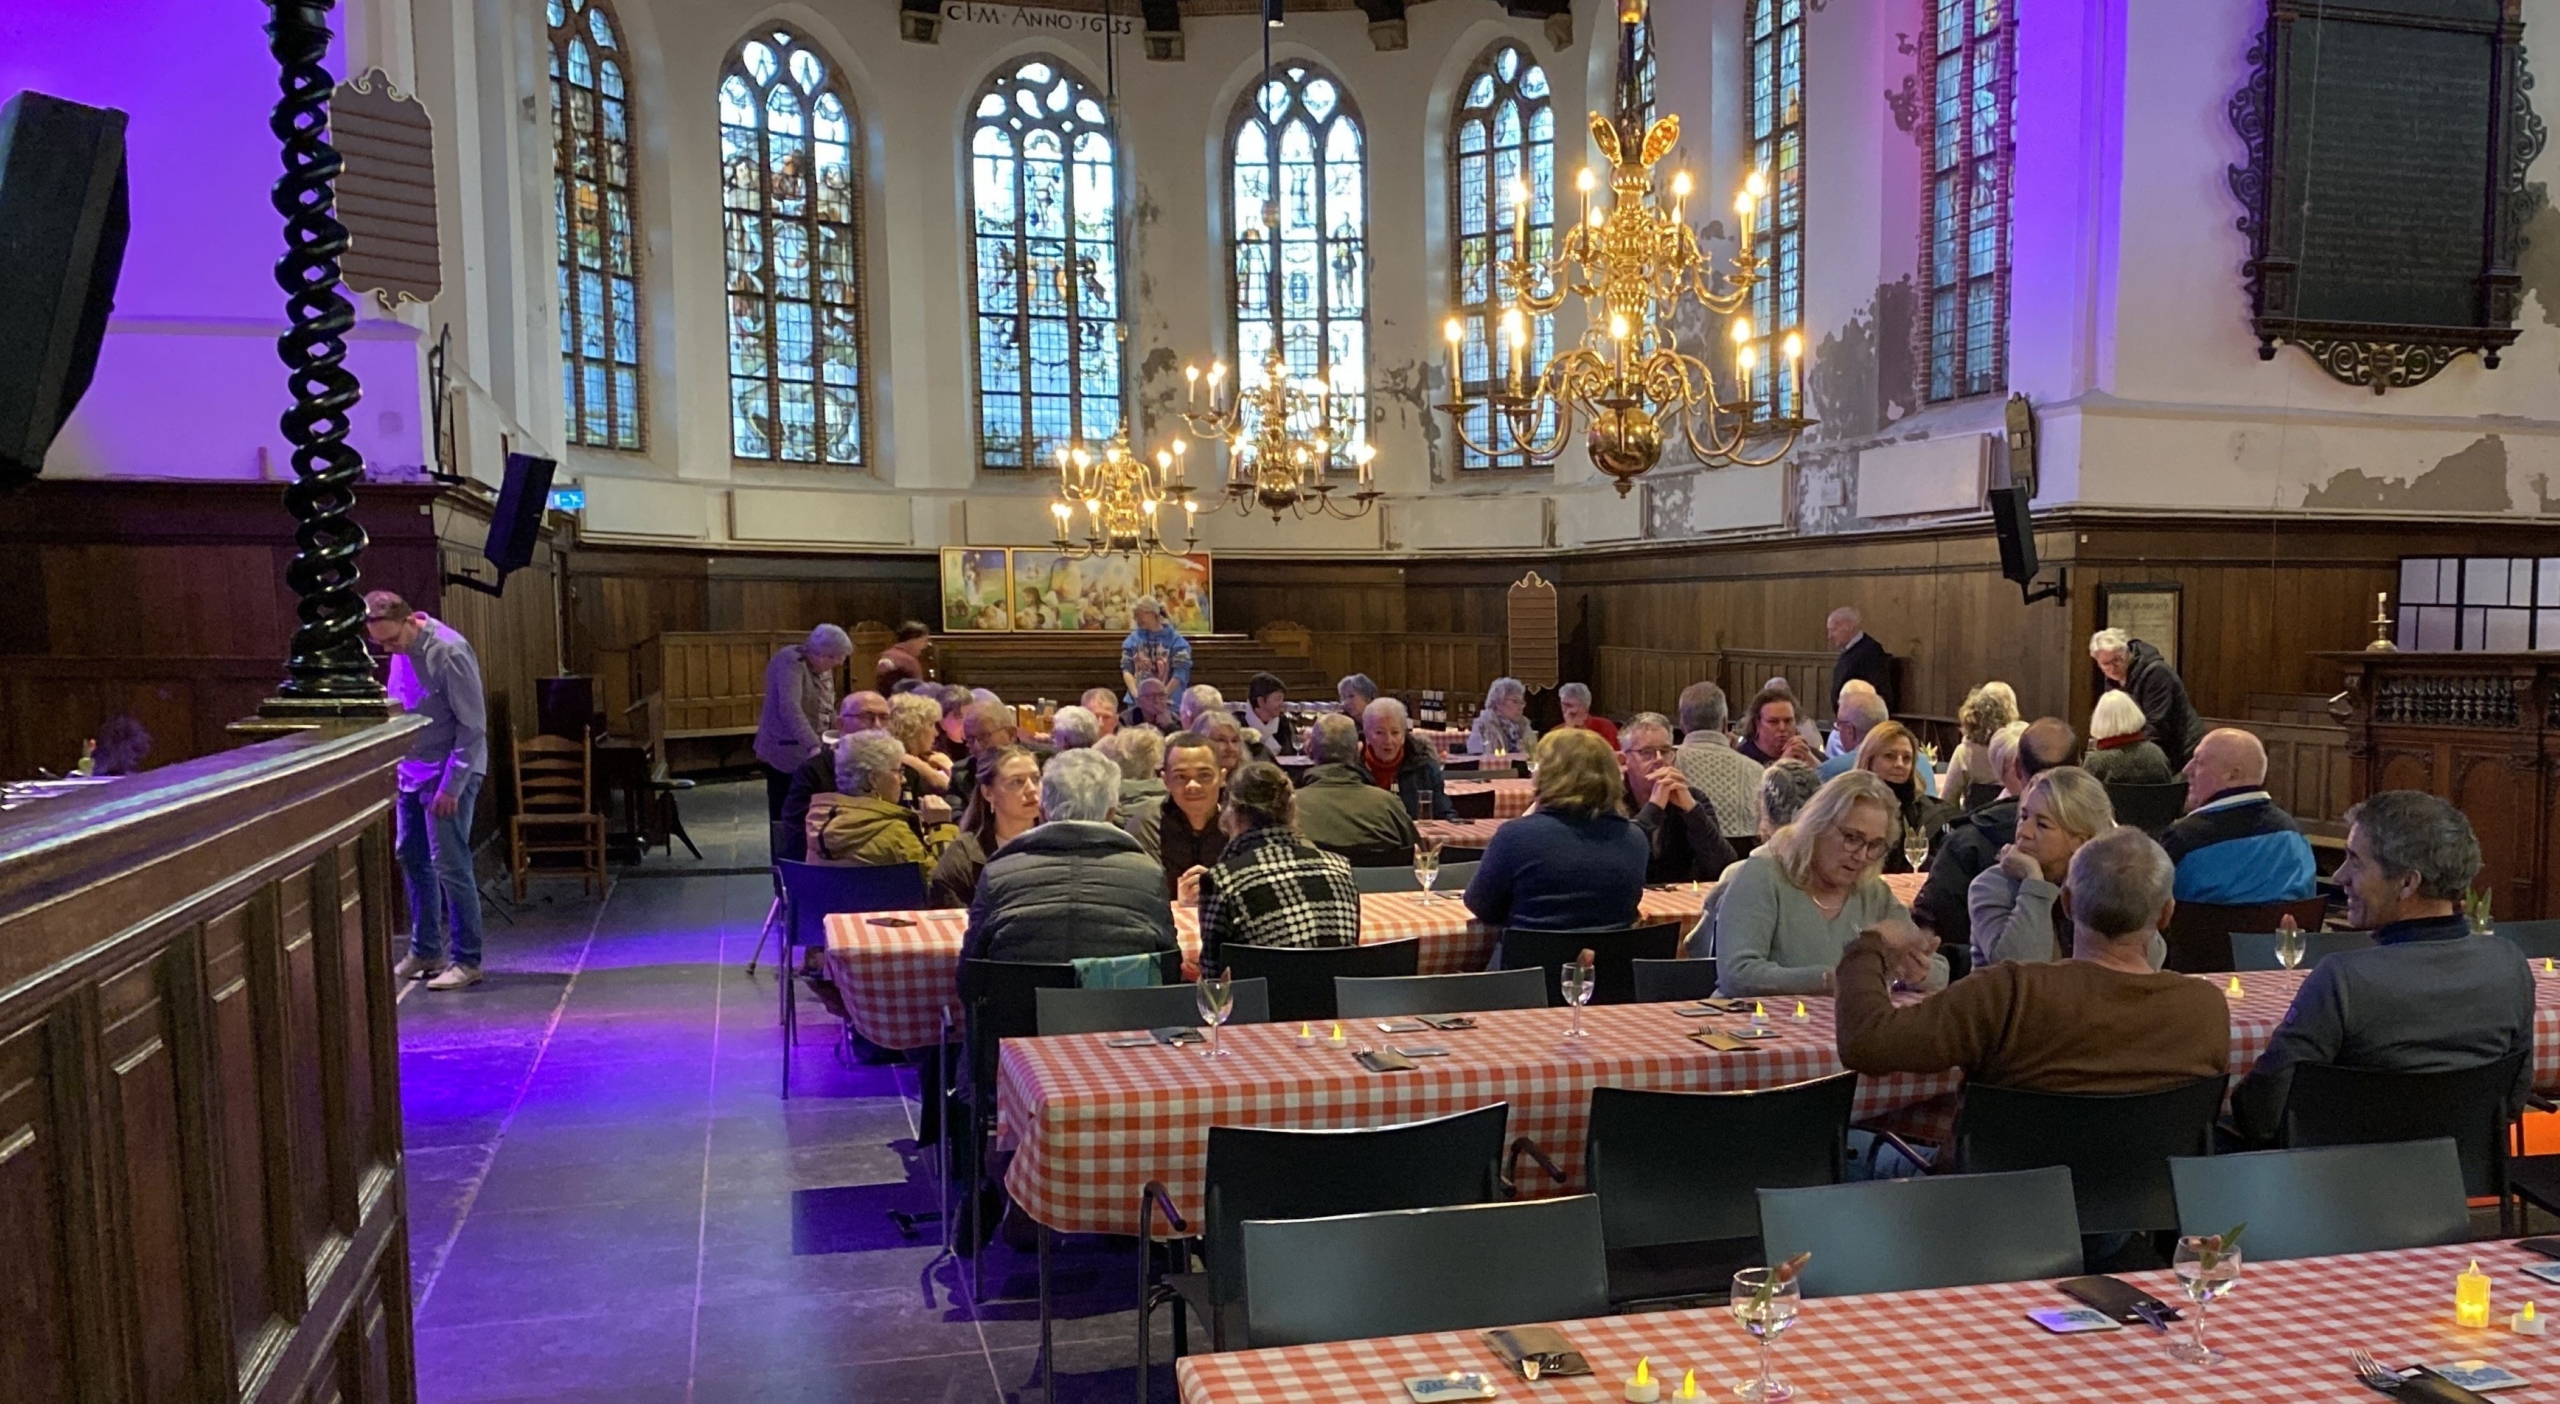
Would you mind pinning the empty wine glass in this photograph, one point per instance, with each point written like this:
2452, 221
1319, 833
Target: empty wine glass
1426, 864
2207, 1269
1766, 1307
1217, 998
1575, 978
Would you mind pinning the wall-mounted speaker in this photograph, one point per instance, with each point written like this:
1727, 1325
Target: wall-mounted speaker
517, 523
63, 222
2014, 525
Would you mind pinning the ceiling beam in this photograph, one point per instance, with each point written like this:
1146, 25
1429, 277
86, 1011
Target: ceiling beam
1387, 32
1164, 29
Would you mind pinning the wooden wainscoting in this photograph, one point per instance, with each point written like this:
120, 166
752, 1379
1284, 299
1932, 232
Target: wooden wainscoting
1628, 680
1462, 665
201, 1193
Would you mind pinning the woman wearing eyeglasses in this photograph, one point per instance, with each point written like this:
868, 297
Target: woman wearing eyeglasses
1787, 913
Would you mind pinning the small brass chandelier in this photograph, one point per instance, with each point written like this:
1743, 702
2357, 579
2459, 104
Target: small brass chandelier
1282, 442
1125, 500
1634, 261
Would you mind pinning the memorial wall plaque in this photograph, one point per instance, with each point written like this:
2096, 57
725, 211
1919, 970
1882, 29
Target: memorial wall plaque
2384, 191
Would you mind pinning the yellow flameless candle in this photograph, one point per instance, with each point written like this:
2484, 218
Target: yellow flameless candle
1642, 1389
2471, 1296
1688, 1384
1800, 1012
2235, 985
2527, 1322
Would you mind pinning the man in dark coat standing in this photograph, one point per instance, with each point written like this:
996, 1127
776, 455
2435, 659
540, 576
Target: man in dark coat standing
1861, 657
2144, 675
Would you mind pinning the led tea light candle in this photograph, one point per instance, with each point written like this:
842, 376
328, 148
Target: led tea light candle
2471, 1297
1759, 1015
1688, 1384
2235, 987
2527, 1322
1643, 1389
1337, 1039
1306, 1033
1800, 1010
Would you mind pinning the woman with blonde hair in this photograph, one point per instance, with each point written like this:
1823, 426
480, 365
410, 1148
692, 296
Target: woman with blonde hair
1891, 753
916, 721
2016, 904
1986, 709
1575, 861
1788, 912
2121, 751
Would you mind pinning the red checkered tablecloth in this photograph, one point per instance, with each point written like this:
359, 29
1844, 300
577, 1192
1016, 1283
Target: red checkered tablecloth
2287, 1328
1511, 798
898, 971
1092, 1124
1461, 833
1442, 739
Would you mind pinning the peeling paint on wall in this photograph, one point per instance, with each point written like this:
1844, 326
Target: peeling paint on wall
1413, 387
2548, 505
2474, 480
2538, 263
1862, 375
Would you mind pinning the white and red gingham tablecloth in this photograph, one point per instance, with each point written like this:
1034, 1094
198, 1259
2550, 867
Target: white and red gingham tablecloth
898, 971
1461, 833
1511, 798
2287, 1329
1092, 1124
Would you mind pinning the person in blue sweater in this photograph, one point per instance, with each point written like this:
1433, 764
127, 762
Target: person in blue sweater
1575, 861
2236, 847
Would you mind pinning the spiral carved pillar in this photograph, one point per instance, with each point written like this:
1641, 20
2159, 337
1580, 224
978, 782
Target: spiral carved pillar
329, 672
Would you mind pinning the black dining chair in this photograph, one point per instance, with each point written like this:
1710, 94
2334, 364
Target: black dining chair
1678, 1176
812, 892
2327, 1105
1408, 1271
1937, 1231
1666, 981
1385, 996
1259, 1173
2539, 940
1474, 805
1302, 977
2116, 1146
2199, 933
2149, 808
1614, 953
2327, 1200
2256, 950
1149, 1007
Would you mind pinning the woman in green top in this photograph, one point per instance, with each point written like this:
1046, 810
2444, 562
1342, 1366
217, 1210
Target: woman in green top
1784, 917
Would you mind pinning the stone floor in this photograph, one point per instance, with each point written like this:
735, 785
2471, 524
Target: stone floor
611, 1203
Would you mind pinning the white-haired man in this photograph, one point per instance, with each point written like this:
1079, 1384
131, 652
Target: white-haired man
1726, 778
799, 701
1861, 658
1862, 710
1073, 728
2137, 667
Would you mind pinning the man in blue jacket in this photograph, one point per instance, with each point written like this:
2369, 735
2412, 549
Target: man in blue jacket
2236, 847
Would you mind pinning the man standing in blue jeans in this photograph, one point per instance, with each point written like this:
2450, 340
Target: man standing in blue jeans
439, 780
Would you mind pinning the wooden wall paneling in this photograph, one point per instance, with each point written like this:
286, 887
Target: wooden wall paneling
159, 1159
240, 1078
307, 1101
43, 1218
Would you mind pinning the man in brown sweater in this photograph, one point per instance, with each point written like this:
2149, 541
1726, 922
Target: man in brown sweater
2102, 1021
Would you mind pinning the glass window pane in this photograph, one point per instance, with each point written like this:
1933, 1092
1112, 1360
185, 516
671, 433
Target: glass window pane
1301, 281
591, 121
2418, 580
1968, 72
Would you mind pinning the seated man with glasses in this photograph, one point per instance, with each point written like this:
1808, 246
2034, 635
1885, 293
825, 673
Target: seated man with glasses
1687, 839
1785, 916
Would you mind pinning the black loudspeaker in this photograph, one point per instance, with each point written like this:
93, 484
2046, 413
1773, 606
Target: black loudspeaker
2017, 534
517, 522
63, 222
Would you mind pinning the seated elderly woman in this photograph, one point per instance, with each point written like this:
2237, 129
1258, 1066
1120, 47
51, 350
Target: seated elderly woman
2121, 751
1575, 861
1574, 701
1502, 728
863, 824
1271, 887
1784, 789
1788, 912
1004, 809
1073, 728
2016, 904
1394, 761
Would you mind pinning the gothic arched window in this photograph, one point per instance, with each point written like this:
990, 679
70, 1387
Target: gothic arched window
593, 216
1299, 179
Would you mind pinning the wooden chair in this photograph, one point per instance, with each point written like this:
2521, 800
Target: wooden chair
555, 812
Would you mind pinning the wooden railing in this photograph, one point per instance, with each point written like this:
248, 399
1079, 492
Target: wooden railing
201, 1180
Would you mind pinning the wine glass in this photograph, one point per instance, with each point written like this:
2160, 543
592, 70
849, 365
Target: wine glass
1576, 979
2289, 945
1425, 803
2206, 1270
1426, 864
1915, 847
1766, 1307
1217, 998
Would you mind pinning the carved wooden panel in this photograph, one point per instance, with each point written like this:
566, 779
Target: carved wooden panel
38, 1172
2480, 730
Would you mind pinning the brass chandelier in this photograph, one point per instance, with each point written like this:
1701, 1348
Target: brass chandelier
1125, 500
1634, 262
1282, 442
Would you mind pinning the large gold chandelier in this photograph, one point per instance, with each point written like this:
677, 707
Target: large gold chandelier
1282, 441
1634, 262
1124, 498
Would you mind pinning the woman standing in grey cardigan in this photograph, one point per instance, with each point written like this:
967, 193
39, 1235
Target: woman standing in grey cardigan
2015, 904
1785, 916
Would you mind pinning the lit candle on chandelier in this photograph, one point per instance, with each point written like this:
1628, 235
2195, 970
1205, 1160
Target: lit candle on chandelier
1742, 353
1742, 207
1192, 375
1515, 329
1618, 333
1217, 376
1794, 347
1456, 332
1065, 515
1680, 189
1584, 183
1181, 465
1364, 455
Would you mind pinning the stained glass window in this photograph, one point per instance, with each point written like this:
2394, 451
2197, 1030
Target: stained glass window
792, 207
1970, 70
592, 218
1637, 37
1503, 136
1044, 184
1301, 220
1777, 150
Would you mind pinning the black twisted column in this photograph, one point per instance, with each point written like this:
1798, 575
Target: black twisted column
329, 672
